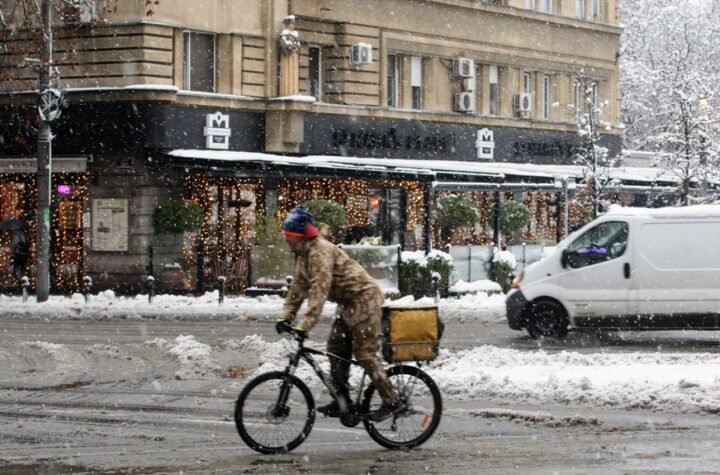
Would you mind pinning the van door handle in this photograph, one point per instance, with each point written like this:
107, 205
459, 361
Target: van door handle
626, 270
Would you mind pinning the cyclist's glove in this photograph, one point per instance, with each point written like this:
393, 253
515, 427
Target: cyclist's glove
283, 326
300, 333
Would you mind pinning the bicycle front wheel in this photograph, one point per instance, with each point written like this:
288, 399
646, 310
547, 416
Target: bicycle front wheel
413, 425
274, 413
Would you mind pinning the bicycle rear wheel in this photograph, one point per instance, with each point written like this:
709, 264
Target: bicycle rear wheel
274, 413
413, 425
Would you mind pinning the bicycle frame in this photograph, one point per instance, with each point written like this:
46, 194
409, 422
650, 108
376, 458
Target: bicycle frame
306, 354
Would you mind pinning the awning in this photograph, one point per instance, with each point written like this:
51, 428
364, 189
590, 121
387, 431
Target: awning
445, 175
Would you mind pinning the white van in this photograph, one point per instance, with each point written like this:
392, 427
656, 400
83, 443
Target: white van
631, 268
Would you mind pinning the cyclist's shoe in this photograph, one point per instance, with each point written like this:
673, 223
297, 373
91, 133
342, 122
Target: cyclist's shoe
385, 411
334, 409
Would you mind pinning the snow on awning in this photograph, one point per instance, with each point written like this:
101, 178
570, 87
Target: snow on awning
336, 166
445, 175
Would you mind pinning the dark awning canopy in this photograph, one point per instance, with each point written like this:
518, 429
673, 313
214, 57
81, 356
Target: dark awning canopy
445, 175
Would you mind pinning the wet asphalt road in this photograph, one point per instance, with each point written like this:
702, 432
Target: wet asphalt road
133, 424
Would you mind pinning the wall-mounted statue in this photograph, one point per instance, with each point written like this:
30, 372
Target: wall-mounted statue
289, 58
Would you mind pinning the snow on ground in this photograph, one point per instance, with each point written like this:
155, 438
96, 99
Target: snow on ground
687, 382
107, 305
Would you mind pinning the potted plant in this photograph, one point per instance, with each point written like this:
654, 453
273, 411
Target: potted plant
513, 216
452, 212
172, 219
328, 212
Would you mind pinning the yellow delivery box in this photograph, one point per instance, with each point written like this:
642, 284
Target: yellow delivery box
410, 333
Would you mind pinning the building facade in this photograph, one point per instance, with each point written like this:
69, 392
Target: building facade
264, 84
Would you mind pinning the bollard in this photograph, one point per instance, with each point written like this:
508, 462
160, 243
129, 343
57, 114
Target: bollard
87, 280
221, 289
151, 288
24, 283
436, 286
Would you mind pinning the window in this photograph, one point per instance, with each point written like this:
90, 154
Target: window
544, 6
596, 11
527, 83
315, 72
493, 77
604, 242
595, 97
579, 98
199, 62
416, 72
580, 9
547, 96
392, 80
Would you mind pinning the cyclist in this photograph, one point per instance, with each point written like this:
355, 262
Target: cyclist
325, 272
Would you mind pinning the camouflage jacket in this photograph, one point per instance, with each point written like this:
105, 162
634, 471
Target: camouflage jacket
325, 272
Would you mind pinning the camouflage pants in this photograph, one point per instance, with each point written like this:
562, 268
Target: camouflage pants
362, 341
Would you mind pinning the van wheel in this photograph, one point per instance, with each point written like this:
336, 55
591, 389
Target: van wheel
547, 319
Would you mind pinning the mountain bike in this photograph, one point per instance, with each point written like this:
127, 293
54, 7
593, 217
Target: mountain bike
275, 411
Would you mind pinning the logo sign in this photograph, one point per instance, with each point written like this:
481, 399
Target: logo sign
217, 131
485, 144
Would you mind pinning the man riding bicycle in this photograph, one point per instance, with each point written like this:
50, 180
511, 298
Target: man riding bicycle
325, 272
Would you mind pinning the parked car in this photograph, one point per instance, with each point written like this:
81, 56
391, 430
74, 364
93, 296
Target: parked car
631, 268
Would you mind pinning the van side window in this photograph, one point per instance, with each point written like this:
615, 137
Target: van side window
604, 242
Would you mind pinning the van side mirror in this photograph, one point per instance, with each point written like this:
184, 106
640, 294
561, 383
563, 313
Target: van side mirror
564, 258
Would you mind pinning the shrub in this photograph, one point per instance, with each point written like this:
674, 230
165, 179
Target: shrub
503, 266
454, 211
416, 272
513, 215
176, 216
273, 258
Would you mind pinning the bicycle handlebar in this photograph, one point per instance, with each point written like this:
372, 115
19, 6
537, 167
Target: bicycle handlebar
286, 327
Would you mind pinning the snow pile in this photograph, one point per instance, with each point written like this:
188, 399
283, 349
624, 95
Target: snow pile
658, 381
504, 257
487, 286
422, 259
194, 357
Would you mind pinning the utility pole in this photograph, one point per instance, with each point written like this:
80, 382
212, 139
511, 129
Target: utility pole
44, 161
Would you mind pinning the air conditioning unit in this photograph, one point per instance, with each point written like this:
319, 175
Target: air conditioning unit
79, 12
361, 53
522, 102
465, 102
463, 68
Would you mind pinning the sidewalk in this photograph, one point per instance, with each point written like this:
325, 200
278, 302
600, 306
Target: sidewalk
106, 305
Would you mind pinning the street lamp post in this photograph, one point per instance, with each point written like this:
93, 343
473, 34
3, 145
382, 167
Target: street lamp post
48, 106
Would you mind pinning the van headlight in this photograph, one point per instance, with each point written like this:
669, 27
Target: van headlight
517, 279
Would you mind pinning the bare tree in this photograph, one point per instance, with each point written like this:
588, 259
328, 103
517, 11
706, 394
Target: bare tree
671, 89
594, 159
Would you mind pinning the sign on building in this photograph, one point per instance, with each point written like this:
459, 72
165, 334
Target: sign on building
217, 131
110, 223
485, 144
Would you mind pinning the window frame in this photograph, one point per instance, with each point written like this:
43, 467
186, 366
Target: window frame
416, 82
547, 96
315, 82
392, 80
580, 8
188, 60
493, 89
